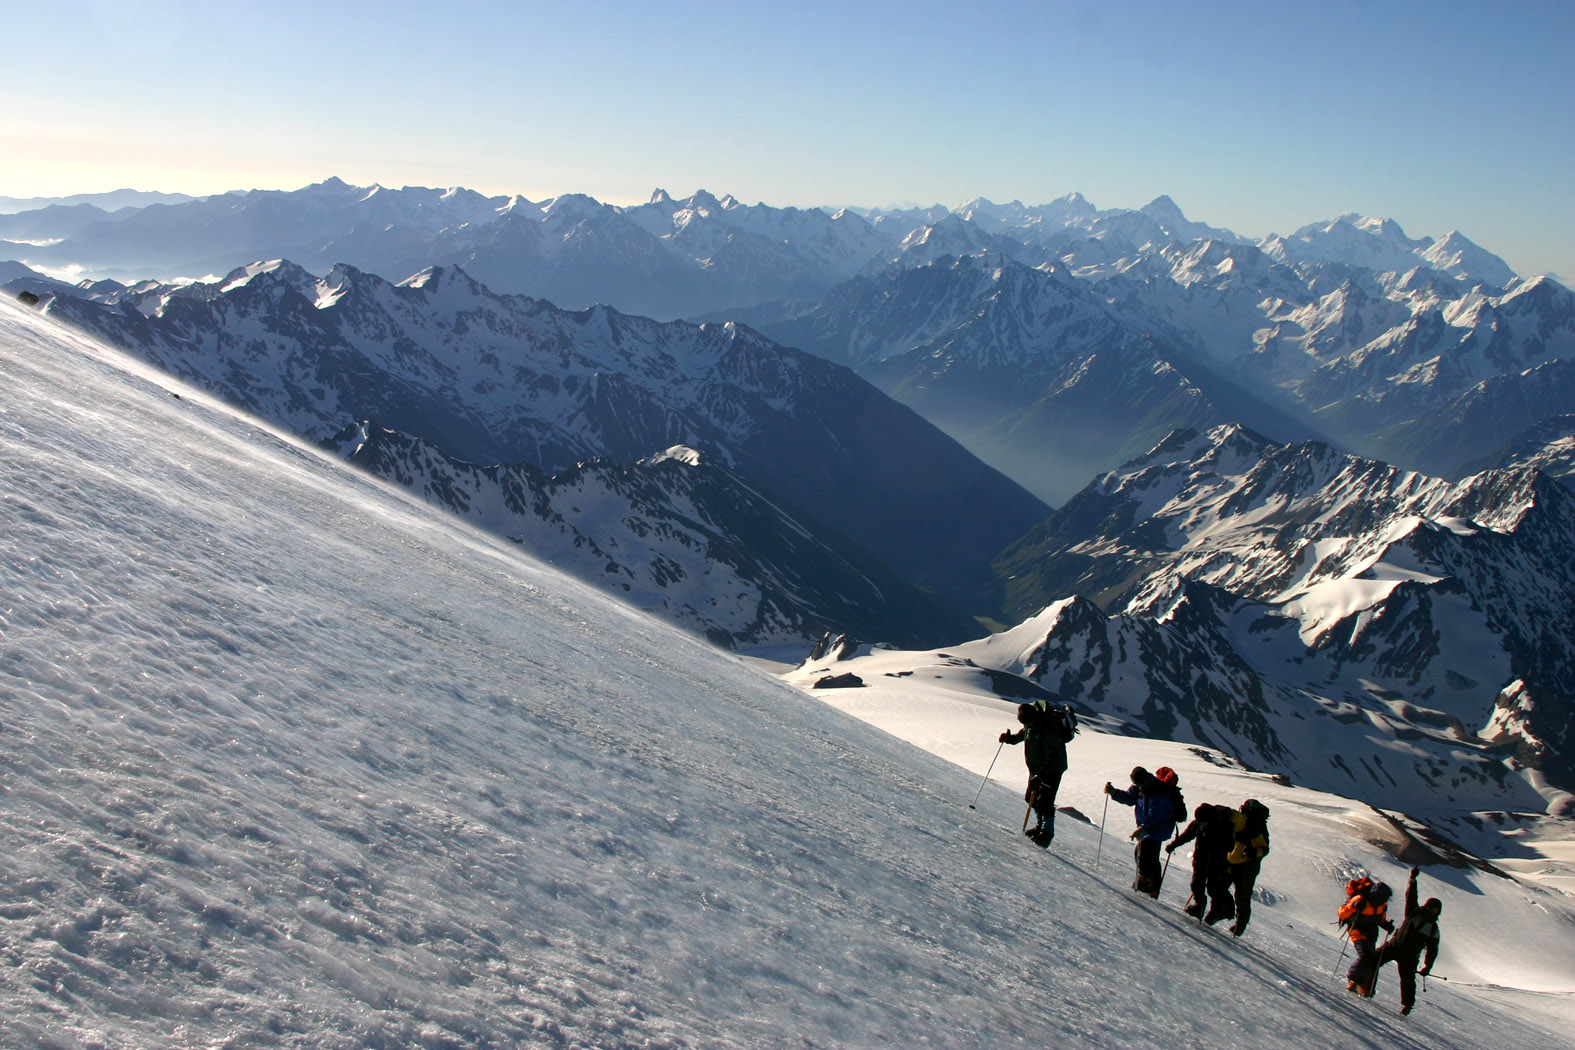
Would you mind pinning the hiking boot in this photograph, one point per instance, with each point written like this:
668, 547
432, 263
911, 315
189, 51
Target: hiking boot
1194, 910
1218, 916
1237, 929
1042, 838
1405, 1009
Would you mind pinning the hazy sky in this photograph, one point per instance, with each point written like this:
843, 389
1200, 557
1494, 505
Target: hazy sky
1258, 116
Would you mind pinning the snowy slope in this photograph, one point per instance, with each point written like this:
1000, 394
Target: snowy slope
291, 761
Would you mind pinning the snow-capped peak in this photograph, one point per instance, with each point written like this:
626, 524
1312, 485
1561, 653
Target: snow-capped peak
244, 275
678, 453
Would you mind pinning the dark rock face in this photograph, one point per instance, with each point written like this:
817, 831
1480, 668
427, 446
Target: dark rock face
677, 535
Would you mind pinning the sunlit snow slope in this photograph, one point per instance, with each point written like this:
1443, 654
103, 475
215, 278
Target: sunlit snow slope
289, 761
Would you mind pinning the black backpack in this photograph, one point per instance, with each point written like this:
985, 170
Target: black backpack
1065, 721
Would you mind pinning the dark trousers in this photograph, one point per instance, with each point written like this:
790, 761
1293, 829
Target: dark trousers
1148, 870
1406, 965
1243, 878
1042, 788
1211, 887
1365, 969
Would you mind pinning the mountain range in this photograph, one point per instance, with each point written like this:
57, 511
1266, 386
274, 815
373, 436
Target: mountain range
1055, 372
1096, 358
666, 258
1054, 341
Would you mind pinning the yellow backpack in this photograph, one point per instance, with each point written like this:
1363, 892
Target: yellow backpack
1251, 825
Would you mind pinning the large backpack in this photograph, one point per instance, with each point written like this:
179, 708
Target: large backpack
1257, 815
1167, 776
1054, 718
1064, 719
1364, 894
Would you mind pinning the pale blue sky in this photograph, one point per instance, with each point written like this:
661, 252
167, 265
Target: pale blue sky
1261, 117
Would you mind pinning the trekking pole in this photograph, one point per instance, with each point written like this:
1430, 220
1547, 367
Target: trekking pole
987, 773
1345, 942
1101, 848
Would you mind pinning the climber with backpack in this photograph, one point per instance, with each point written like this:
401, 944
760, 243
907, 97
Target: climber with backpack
1363, 914
1211, 869
1172, 785
1418, 932
1047, 728
1154, 808
1250, 844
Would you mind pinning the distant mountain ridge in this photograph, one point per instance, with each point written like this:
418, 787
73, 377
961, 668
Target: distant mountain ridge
1034, 370
666, 258
111, 201
1053, 378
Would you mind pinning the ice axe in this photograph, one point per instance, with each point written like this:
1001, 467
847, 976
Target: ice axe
987, 772
1033, 796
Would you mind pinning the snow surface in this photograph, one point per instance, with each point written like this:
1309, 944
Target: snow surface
289, 760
